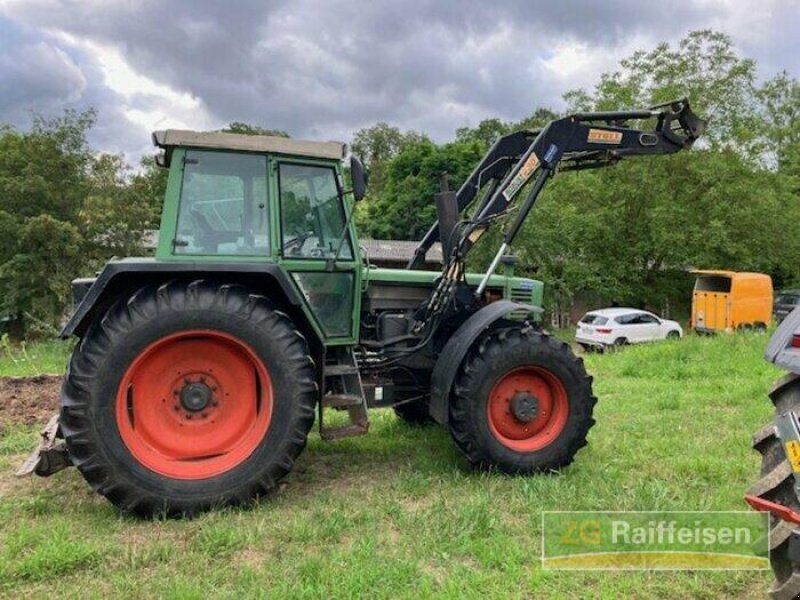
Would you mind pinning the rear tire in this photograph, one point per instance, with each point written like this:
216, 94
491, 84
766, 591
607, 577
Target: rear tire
618, 344
545, 379
188, 396
776, 484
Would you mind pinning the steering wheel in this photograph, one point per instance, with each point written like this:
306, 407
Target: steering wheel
294, 245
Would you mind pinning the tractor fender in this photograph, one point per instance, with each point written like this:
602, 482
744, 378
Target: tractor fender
124, 276
454, 351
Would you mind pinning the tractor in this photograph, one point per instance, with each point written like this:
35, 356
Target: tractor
777, 491
199, 372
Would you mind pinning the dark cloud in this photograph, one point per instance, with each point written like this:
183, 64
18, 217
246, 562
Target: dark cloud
35, 73
40, 75
321, 68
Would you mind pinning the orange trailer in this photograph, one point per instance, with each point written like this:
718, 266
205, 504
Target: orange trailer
730, 300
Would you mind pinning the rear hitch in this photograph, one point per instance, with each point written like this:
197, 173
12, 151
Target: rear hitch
779, 511
51, 456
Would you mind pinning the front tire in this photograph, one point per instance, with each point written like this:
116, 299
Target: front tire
776, 483
188, 396
522, 402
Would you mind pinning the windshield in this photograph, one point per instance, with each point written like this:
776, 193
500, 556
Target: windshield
788, 299
223, 205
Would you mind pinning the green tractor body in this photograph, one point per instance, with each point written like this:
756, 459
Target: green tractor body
201, 370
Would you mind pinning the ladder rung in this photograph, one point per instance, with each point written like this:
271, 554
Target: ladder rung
341, 400
336, 370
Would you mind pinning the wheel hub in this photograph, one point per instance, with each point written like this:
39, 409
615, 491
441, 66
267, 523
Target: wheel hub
524, 407
194, 404
527, 408
196, 396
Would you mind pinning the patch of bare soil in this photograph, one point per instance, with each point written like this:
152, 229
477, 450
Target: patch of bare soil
28, 400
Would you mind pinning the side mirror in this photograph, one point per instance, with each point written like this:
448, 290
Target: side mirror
358, 177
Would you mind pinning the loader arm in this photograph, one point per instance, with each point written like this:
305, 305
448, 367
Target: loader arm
580, 141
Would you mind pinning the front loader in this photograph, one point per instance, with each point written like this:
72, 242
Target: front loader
200, 372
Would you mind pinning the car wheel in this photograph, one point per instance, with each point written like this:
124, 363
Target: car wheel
617, 345
674, 335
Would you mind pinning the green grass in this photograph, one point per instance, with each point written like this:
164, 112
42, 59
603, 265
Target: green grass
398, 513
33, 358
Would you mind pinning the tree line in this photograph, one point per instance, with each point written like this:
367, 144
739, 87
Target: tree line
626, 234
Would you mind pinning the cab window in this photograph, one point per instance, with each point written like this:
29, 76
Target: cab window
312, 215
223, 205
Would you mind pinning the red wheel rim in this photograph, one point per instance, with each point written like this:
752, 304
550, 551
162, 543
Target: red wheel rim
527, 408
194, 404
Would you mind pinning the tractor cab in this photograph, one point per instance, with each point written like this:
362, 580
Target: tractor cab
260, 199
252, 196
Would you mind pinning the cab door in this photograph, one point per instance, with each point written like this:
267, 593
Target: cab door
316, 244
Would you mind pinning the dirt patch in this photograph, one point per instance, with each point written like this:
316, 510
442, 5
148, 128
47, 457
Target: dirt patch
28, 400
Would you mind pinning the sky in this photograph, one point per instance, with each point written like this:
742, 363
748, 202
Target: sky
322, 69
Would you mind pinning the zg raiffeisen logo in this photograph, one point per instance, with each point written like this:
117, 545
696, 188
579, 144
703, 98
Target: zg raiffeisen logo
655, 540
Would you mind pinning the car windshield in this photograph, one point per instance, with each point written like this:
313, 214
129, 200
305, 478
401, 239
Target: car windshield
788, 299
591, 319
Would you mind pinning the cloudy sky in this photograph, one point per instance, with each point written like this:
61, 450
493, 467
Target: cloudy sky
321, 69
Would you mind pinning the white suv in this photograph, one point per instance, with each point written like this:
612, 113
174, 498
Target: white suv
619, 326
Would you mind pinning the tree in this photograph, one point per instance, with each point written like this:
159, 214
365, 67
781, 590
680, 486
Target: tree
485, 133
376, 146
705, 67
65, 211
119, 208
405, 209
536, 120
780, 99
35, 280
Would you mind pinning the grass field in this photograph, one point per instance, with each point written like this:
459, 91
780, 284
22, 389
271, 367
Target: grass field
24, 360
398, 513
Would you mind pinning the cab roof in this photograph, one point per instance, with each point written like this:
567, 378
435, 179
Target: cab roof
217, 140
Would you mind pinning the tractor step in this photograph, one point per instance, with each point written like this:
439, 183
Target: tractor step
343, 390
341, 400
338, 370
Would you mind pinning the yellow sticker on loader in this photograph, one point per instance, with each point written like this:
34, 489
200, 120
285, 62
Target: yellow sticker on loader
793, 454
604, 136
